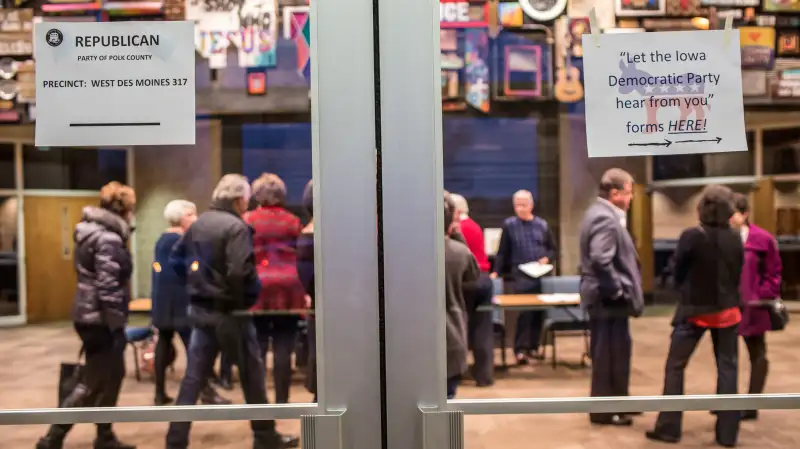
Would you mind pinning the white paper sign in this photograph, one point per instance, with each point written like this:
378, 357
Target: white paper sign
663, 93
117, 83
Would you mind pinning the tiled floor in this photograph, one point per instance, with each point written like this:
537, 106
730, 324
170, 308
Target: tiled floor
29, 359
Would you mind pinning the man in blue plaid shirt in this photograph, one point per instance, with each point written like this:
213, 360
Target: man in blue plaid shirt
525, 238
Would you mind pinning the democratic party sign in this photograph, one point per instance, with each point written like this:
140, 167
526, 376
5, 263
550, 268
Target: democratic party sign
663, 93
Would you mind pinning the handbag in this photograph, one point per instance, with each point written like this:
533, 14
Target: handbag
69, 377
778, 314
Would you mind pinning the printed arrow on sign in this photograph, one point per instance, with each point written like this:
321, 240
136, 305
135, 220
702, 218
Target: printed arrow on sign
718, 140
665, 143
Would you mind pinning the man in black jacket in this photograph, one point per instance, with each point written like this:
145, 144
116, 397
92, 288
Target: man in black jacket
215, 256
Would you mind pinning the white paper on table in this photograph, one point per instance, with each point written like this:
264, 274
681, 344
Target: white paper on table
557, 298
535, 269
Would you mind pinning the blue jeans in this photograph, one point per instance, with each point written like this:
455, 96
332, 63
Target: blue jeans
203, 349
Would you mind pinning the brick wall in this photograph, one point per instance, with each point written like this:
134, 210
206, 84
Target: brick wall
165, 173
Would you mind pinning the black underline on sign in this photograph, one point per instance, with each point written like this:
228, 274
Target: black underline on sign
84, 125
689, 132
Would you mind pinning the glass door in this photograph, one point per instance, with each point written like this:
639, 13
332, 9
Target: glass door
519, 158
337, 223
12, 304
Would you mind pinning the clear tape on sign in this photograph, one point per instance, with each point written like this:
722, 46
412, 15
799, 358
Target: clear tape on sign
728, 27
594, 27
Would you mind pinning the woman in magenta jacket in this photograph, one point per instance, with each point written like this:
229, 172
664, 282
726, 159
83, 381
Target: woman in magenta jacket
761, 279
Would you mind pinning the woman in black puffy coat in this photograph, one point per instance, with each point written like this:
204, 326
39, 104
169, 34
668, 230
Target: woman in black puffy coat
100, 310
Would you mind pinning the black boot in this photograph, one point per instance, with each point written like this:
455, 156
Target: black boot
53, 440
209, 396
107, 440
163, 399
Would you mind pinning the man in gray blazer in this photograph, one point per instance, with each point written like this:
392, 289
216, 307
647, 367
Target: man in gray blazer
611, 289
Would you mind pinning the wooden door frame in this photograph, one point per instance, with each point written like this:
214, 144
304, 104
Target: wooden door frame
20, 136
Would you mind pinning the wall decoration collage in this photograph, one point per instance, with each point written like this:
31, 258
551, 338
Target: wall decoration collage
494, 52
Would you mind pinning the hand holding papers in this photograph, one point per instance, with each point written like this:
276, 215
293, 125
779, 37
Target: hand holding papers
535, 269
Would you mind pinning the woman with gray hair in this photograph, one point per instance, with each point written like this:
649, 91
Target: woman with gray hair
170, 300
274, 239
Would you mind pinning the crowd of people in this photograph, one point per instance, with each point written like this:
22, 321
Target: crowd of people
237, 279
728, 271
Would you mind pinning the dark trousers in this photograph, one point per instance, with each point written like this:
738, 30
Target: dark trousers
452, 386
203, 349
281, 332
685, 337
610, 348
528, 334
759, 365
480, 329
225, 368
164, 353
104, 350
311, 367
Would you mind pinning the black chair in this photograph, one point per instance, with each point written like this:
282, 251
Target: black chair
564, 321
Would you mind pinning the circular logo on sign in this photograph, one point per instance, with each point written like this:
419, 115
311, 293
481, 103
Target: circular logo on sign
54, 38
543, 10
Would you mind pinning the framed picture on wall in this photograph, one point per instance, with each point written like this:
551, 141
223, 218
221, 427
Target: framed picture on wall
522, 75
628, 8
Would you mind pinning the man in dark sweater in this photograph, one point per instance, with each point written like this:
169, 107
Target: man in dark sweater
221, 280
525, 238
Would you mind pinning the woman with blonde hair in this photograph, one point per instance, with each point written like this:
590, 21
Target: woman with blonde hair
171, 301
100, 309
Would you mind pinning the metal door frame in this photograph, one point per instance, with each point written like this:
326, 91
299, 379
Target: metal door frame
419, 416
345, 206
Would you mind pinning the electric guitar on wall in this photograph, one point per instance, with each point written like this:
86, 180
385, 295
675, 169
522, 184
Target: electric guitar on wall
568, 82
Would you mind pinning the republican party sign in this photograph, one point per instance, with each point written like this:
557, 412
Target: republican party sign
115, 83
663, 93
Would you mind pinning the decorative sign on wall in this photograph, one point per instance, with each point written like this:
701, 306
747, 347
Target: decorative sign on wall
664, 93
463, 14
476, 55
604, 12
691, 8
448, 40
250, 25
627, 8
758, 47
16, 32
754, 83
543, 10
788, 84
511, 15
577, 27
731, 3
782, 5
669, 24
789, 43
296, 27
